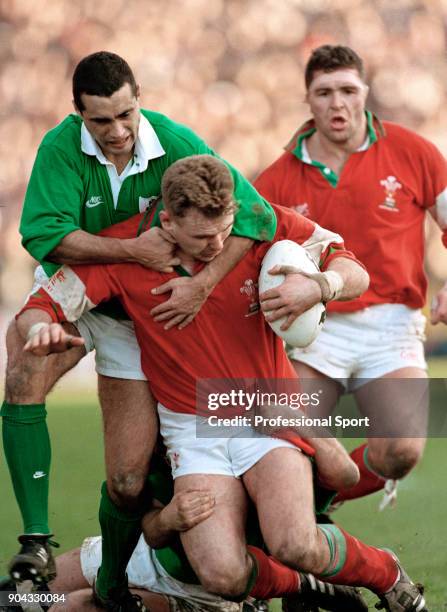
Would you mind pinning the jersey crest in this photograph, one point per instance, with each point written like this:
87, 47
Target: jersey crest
250, 290
391, 186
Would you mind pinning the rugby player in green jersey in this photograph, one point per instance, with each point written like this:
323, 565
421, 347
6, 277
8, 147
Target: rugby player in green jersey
100, 166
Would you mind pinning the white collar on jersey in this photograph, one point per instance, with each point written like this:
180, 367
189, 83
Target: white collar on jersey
305, 157
147, 145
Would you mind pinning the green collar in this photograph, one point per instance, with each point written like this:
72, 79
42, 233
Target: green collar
295, 146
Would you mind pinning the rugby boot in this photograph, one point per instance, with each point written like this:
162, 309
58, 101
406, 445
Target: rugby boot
119, 599
405, 596
315, 594
34, 561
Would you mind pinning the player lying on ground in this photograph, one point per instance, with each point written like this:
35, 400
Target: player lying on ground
96, 168
160, 571
374, 183
224, 343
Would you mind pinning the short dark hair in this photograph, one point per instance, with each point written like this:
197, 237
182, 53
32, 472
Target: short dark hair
202, 182
332, 57
101, 74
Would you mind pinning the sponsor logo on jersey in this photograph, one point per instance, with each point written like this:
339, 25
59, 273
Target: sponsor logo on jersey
391, 185
39, 474
94, 201
302, 209
250, 290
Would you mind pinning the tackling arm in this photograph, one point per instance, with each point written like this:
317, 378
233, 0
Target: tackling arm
185, 510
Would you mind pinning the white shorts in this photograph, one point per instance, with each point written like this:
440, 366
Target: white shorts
355, 347
117, 352
230, 456
144, 571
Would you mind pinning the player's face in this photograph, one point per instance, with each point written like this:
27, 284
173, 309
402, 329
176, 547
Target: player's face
198, 236
113, 121
337, 102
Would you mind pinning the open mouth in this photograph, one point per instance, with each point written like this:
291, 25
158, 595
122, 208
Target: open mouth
338, 123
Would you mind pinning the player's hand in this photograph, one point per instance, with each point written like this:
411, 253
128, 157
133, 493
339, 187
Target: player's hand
155, 249
188, 296
187, 509
293, 297
438, 313
51, 338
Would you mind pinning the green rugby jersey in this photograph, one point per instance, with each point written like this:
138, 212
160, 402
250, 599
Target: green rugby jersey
70, 190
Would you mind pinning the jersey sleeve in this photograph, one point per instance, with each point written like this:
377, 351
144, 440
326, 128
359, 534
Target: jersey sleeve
322, 245
435, 187
74, 290
51, 208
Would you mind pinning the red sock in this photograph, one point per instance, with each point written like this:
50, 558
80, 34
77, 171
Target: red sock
273, 579
357, 564
369, 482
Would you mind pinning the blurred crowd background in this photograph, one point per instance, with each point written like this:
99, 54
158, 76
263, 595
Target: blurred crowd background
230, 69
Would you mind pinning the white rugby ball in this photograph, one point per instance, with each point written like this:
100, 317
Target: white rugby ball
305, 328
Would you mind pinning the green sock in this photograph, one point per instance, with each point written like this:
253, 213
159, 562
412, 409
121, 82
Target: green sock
121, 530
28, 452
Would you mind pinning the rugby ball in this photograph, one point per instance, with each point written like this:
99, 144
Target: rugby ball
305, 328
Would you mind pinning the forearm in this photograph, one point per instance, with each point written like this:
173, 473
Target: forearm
157, 529
80, 247
355, 278
234, 250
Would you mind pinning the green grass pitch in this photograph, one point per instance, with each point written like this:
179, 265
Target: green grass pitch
416, 530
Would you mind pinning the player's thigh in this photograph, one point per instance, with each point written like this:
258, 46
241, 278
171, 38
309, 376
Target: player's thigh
312, 381
29, 378
130, 422
396, 403
216, 547
281, 486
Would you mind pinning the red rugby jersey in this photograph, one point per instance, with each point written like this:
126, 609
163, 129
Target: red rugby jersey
377, 205
228, 339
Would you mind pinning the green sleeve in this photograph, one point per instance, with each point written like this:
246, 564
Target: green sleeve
255, 218
51, 209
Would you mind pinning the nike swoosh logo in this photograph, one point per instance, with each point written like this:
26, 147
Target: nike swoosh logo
39, 475
94, 202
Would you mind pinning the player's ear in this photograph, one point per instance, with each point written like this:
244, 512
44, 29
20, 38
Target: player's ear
165, 220
137, 91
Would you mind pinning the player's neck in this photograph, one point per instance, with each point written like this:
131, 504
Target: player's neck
120, 161
187, 262
334, 154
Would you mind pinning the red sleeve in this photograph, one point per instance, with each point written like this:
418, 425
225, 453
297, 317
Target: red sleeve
73, 290
323, 245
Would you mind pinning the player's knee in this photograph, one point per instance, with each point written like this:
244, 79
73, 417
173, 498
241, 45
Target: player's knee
300, 552
397, 459
228, 582
125, 488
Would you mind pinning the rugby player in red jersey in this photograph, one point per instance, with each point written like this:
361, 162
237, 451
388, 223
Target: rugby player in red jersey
230, 340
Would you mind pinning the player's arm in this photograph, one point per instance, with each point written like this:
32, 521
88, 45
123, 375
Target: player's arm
152, 249
69, 293
185, 510
51, 221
